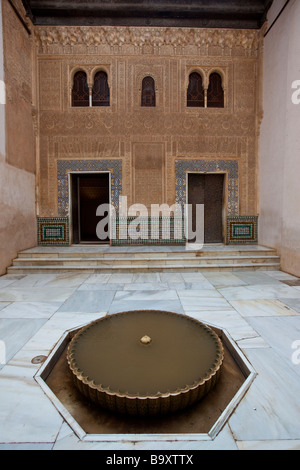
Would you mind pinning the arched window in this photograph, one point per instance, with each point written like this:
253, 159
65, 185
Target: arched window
195, 93
148, 92
100, 90
215, 92
80, 90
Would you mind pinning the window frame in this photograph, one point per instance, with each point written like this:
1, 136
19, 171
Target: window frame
153, 91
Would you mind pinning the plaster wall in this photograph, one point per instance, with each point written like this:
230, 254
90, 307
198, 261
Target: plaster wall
279, 222
17, 153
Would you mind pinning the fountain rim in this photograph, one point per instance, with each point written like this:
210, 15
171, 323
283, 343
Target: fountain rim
84, 379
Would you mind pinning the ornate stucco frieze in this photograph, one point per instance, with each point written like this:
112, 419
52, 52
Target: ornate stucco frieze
51, 39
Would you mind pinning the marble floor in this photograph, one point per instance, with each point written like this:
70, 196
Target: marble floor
259, 310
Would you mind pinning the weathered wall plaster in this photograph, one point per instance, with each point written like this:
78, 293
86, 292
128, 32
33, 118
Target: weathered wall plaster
279, 221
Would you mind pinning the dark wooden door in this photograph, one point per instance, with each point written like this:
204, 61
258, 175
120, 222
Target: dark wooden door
89, 191
207, 189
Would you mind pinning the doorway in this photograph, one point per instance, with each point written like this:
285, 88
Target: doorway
88, 191
208, 190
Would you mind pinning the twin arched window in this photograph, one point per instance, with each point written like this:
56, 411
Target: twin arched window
99, 94
195, 93
81, 91
215, 92
197, 96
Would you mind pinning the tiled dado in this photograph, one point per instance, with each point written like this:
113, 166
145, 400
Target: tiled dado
230, 167
65, 167
150, 231
242, 230
53, 231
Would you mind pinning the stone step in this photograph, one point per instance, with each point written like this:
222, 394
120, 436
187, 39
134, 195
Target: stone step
146, 261
143, 254
142, 268
143, 259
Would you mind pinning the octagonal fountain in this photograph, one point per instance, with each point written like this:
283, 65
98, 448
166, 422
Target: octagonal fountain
145, 363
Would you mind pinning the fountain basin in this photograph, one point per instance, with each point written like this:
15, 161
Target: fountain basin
145, 363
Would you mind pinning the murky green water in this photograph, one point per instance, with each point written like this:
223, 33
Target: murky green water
181, 352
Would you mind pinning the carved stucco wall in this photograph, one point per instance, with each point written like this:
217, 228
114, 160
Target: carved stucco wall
170, 131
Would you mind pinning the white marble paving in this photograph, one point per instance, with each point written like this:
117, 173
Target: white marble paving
287, 444
257, 277
280, 333
223, 279
186, 294
35, 294
88, 301
33, 280
261, 308
260, 313
68, 280
146, 295
4, 282
259, 292
193, 277
168, 305
281, 275
98, 278
200, 303
26, 414
30, 309
171, 277
121, 278
146, 277
201, 285
270, 410
255, 341
14, 333
238, 328
293, 303
3, 305
148, 286
104, 287
27, 446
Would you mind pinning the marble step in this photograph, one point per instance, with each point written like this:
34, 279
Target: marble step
97, 258
145, 261
68, 253
144, 268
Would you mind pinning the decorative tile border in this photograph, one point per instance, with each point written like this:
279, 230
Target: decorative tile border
153, 231
53, 231
231, 167
242, 230
64, 167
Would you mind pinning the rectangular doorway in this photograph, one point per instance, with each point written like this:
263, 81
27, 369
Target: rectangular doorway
208, 190
88, 191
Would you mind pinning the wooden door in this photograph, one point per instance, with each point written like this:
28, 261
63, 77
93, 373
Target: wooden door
207, 189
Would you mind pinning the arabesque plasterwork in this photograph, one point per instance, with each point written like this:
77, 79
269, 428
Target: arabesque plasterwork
128, 54
151, 39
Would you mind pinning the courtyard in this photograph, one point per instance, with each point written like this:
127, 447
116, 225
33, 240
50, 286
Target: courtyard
258, 308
